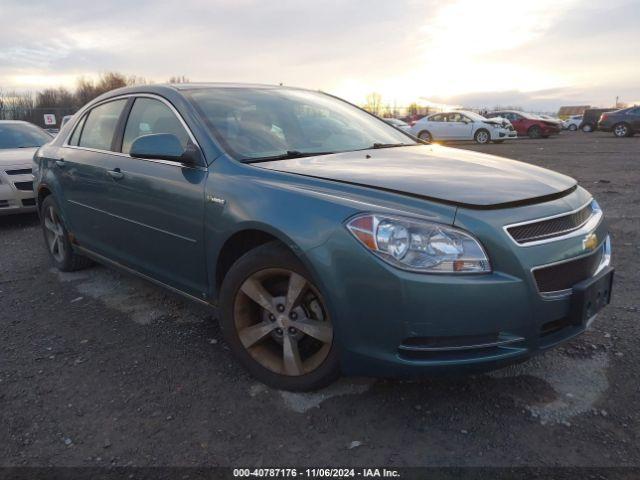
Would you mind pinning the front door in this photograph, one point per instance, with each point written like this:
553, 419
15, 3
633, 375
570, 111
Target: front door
159, 204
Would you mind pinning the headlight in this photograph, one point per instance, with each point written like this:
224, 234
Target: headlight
418, 245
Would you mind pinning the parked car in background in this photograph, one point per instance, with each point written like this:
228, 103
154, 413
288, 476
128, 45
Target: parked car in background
64, 120
18, 142
358, 251
549, 118
572, 123
462, 125
623, 123
591, 117
396, 122
527, 124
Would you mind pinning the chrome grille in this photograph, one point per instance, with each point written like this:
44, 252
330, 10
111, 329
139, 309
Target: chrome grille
553, 227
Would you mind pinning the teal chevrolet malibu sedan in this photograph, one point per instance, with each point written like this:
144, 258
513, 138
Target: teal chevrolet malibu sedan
326, 240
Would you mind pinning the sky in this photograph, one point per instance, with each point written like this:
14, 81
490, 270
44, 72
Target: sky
478, 53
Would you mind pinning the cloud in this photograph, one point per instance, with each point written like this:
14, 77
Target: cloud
403, 49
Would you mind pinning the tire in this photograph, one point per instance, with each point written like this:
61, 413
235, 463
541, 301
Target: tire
482, 136
56, 239
587, 128
534, 132
426, 136
264, 339
621, 130
573, 127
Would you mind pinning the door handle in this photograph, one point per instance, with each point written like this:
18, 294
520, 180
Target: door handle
61, 163
116, 174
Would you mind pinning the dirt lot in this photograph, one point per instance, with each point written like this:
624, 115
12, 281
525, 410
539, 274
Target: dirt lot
98, 368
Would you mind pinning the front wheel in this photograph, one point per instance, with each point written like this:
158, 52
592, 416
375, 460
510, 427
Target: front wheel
57, 238
277, 322
482, 136
587, 128
573, 128
535, 132
621, 130
426, 136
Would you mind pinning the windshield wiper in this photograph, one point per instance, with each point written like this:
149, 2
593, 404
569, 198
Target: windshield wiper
285, 156
392, 145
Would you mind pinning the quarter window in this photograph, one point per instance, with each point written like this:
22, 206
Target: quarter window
76, 133
149, 116
100, 125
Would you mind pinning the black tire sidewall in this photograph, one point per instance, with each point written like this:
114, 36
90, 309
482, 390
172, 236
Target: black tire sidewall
271, 255
66, 264
425, 132
478, 132
624, 125
534, 132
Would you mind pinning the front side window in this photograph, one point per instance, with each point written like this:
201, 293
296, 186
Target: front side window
149, 116
255, 123
22, 135
100, 125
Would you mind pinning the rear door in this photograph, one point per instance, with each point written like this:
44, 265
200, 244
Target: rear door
459, 127
82, 171
159, 204
436, 124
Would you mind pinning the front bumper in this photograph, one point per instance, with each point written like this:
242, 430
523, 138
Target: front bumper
390, 322
16, 190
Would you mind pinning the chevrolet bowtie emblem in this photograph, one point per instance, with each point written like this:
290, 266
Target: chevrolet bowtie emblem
590, 242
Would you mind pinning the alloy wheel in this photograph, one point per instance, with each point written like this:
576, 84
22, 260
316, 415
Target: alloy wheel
54, 233
621, 130
426, 136
482, 137
281, 321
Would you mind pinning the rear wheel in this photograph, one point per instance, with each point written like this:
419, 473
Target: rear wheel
621, 130
482, 136
426, 136
534, 132
276, 321
57, 238
587, 128
573, 127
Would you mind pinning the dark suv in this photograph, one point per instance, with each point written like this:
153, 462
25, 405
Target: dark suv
591, 117
623, 123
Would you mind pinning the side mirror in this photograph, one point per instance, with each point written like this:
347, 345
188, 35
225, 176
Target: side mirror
165, 146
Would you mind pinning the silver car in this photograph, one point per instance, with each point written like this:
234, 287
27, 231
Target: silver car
18, 142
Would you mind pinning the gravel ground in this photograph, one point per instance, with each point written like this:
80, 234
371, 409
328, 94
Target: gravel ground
98, 368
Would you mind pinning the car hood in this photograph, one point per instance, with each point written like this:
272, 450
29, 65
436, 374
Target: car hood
16, 156
433, 172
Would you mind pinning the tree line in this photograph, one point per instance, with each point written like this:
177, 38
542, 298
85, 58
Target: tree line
32, 106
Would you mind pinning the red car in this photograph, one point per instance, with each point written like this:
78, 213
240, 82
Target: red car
527, 124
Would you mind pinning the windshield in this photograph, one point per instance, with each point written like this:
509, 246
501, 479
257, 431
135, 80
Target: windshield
262, 123
22, 135
474, 116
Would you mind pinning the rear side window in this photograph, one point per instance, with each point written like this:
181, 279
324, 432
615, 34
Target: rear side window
100, 125
149, 116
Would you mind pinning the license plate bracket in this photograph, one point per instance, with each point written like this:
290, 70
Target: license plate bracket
590, 296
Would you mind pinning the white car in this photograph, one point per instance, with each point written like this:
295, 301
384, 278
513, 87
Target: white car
396, 122
18, 142
572, 123
463, 125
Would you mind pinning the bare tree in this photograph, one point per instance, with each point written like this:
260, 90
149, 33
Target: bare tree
179, 79
374, 103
